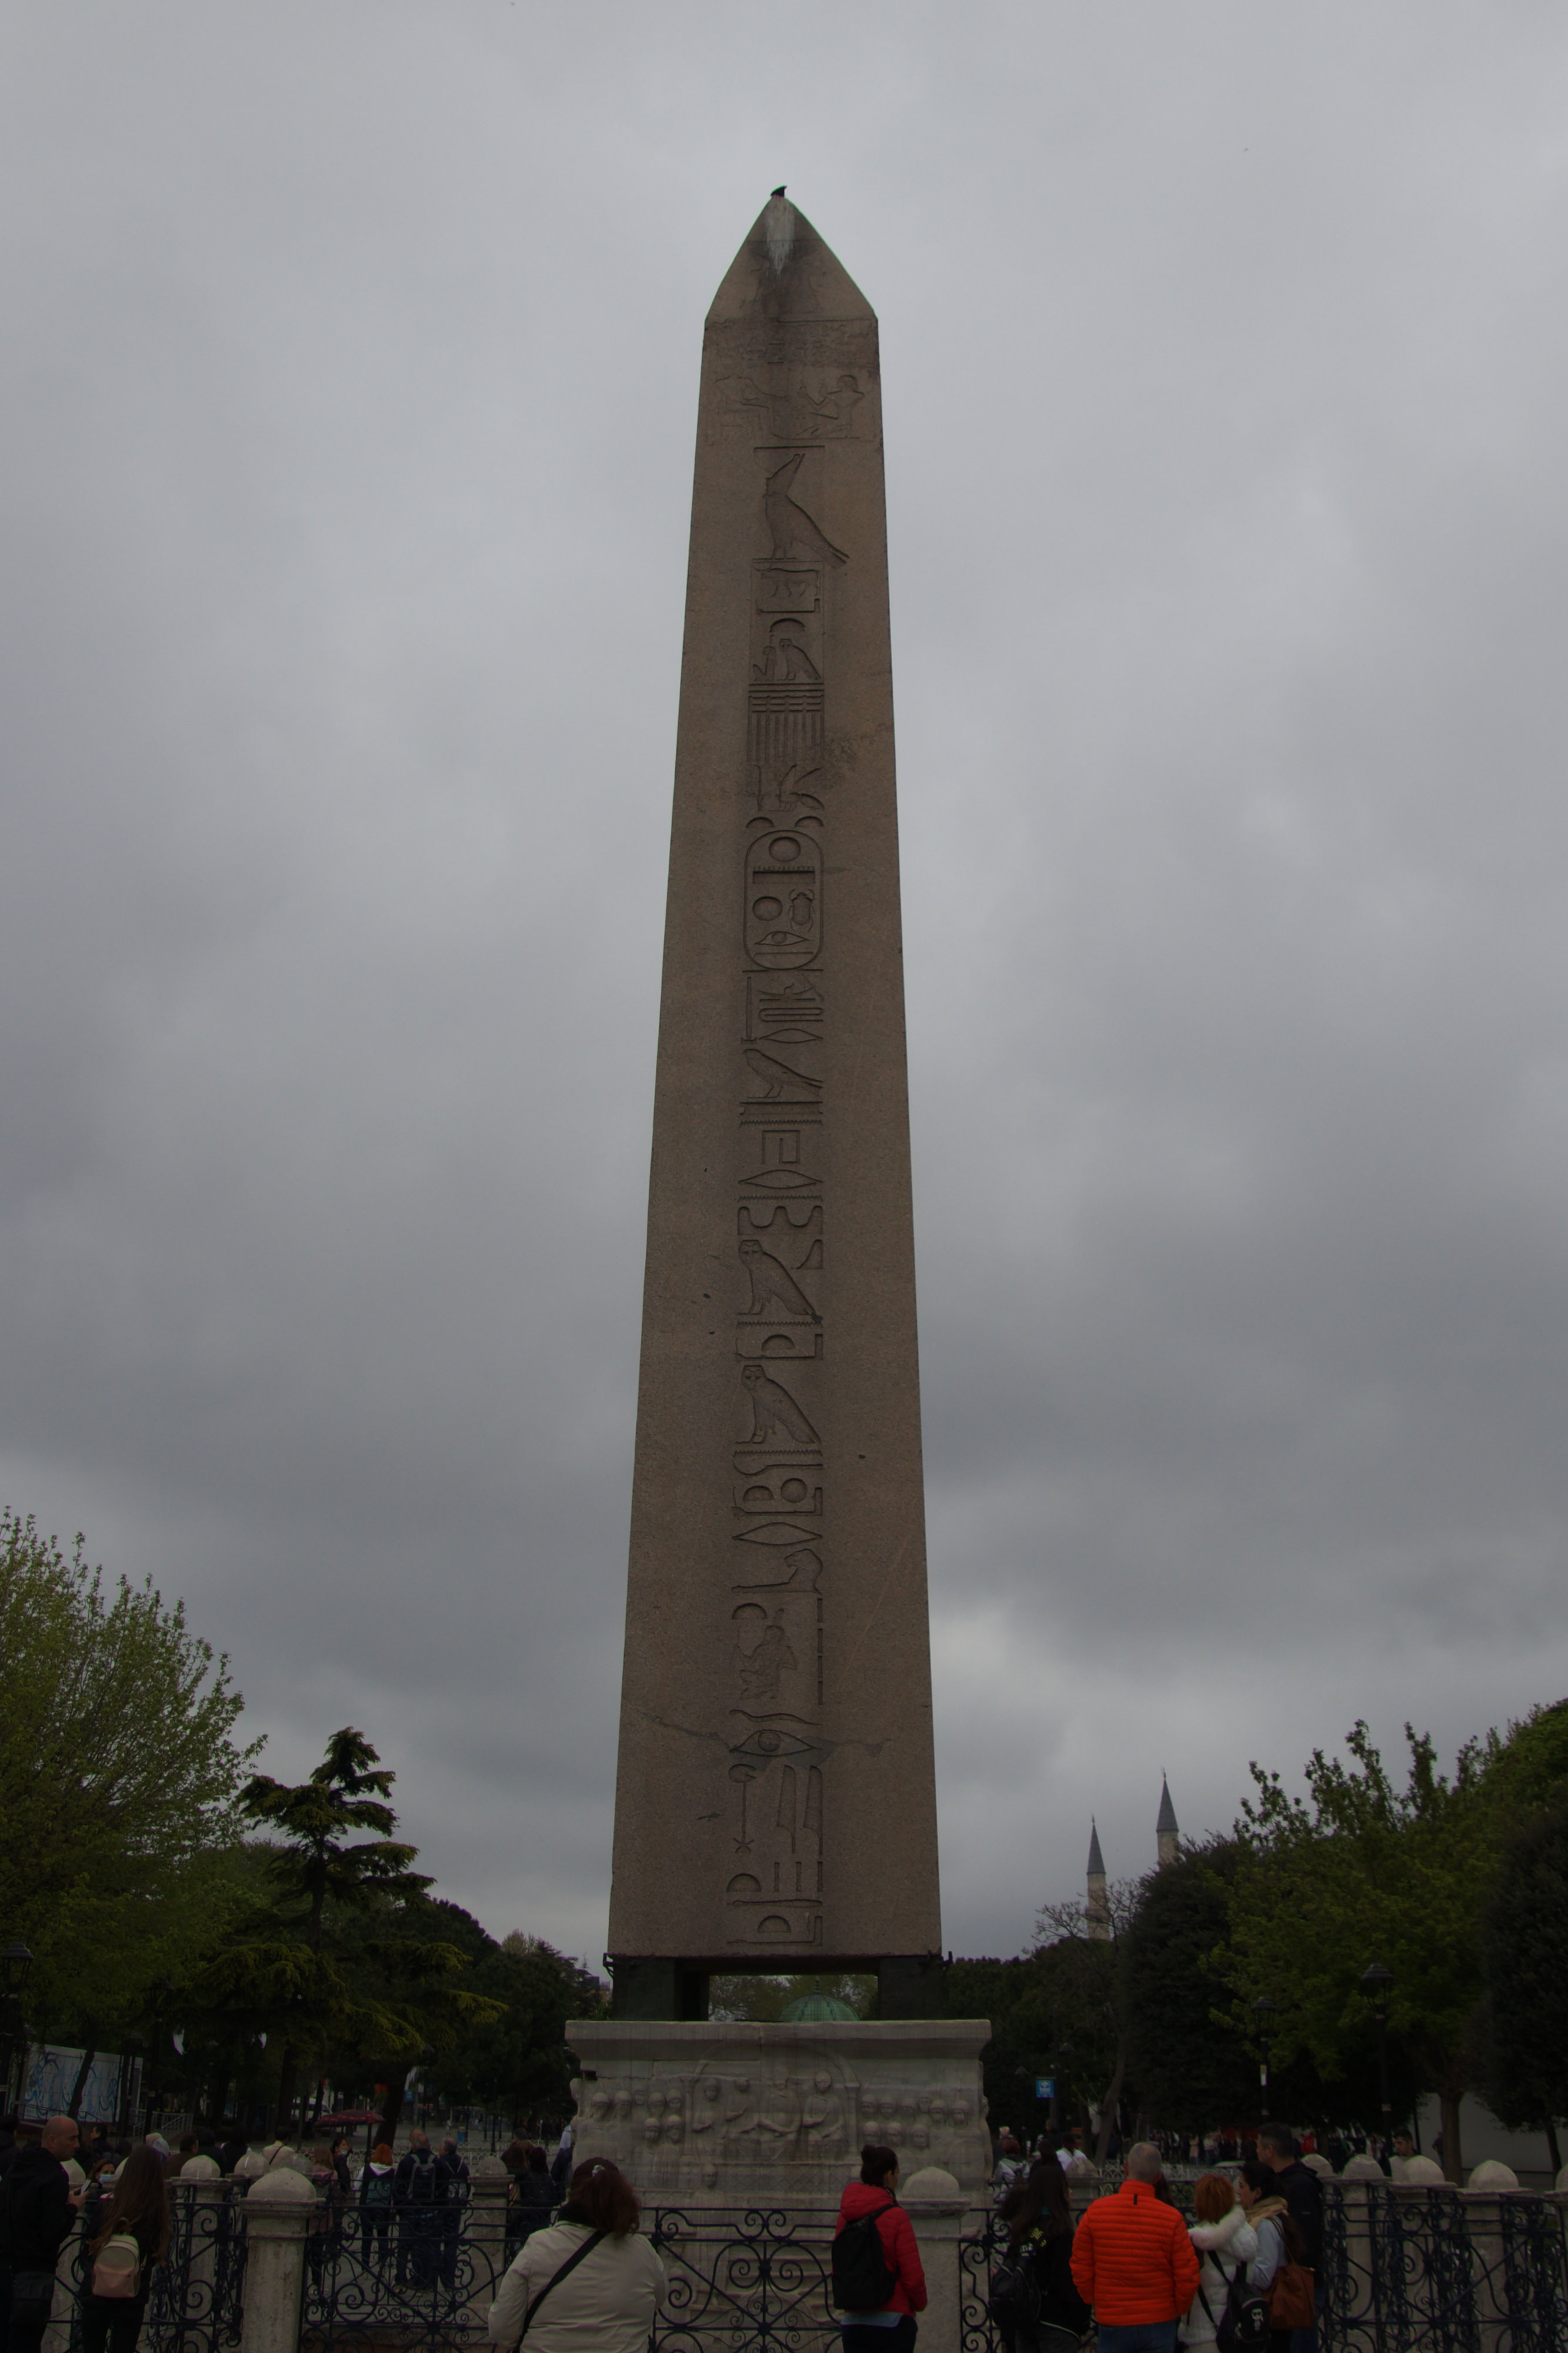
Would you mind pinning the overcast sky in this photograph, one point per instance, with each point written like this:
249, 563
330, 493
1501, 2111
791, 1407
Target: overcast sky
347, 401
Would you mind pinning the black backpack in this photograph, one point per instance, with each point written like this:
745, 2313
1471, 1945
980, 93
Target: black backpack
1015, 2299
425, 2184
861, 2279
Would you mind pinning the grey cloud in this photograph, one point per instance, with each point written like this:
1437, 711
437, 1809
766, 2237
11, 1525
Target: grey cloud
348, 407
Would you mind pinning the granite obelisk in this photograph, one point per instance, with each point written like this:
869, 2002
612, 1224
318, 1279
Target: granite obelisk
775, 1801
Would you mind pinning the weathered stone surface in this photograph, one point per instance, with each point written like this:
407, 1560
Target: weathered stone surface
775, 1803
727, 2113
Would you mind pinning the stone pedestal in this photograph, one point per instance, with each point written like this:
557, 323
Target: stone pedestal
702, 2114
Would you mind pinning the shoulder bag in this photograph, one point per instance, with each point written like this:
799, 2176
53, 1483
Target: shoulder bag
556, 2278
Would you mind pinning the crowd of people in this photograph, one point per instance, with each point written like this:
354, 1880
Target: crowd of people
1132, 2271
1141, 2274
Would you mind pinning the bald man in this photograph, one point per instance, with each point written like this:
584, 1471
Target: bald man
39, 2207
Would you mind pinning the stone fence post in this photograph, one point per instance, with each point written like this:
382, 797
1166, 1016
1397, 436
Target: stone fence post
489, 2183
1359, 2322
279, 2212
936, 2210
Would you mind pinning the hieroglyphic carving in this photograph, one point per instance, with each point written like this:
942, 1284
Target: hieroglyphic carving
775, 1417
783, 899
797, 537
776, 1887
786, 1011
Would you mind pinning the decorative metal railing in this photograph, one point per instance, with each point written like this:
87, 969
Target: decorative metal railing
744, 2282
197, 2298
417, 2275
1404, 2271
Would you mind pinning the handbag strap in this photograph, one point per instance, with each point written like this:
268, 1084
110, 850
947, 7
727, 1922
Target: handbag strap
570, 2264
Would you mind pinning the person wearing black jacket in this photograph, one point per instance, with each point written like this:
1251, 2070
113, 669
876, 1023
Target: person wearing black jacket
37, 2211
1303, 2195
1039, 2222
421, 2192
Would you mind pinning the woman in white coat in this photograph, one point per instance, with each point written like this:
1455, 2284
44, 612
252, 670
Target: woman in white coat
1222, 2236
589, 2284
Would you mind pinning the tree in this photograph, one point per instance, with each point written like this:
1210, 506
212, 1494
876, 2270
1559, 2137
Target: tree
119, 1777
765, 1997
1089, 1971
1368, 1872
337, 1958
1192, 2072
517, 2062
1053, 2013
1522, 2040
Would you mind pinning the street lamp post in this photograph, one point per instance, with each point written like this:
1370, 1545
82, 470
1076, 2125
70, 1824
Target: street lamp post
1063, 2061
1374, 1983
14, 1963
1263, 2036
161, 1990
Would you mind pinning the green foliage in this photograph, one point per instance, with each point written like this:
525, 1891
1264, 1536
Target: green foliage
119, 1781
1366, 1872
1190, 2071
347, 1792
343, 1962
1064, 1993
765, 1997
1522, 2037
518, 2063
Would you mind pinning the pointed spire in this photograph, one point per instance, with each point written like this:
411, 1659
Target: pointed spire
1096, 1859
784, 271
1167, 1830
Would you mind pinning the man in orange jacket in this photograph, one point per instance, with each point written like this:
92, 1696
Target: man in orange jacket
1133, 2260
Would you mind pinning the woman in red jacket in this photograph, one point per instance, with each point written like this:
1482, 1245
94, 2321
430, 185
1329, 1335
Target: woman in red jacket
890, 2327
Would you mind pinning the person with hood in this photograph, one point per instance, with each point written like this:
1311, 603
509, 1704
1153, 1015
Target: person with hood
589, 2280
38, 2211
138, 2209
1224, 2238
891, 2327
1133, 2262
375, 2195
1039, 2228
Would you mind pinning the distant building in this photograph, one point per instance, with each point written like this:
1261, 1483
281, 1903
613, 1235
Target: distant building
1167, 1842
1096, 1910
1167, 1830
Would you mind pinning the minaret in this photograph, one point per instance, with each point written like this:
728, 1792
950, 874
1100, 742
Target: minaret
1097, 1909
1167, 1832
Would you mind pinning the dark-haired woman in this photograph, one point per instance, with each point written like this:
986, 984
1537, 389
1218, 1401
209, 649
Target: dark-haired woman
590, 2279
530, 2194
1258, 2193
1039, 2227
892, 2328
138, 2209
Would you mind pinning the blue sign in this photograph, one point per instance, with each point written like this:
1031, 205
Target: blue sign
1044, 2087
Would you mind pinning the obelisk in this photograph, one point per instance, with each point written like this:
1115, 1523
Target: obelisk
775, 1799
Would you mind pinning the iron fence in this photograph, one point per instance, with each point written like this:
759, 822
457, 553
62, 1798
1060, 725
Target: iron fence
1432, 2271
196, 2302
411, 2275
744, 2282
